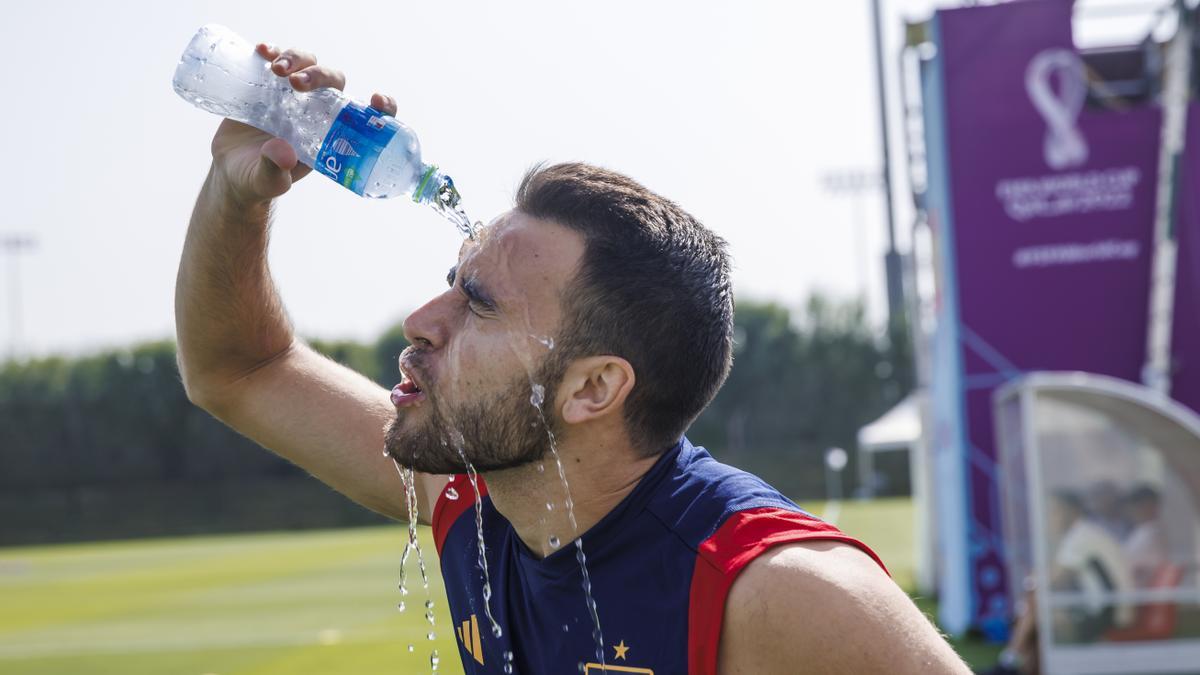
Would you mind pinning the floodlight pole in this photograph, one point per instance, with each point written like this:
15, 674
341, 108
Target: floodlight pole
13, 246
854, 184
891, 260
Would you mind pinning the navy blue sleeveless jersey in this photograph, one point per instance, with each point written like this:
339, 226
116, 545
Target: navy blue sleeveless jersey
661, 564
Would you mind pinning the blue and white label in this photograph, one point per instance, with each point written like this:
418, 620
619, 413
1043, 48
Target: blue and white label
353, 145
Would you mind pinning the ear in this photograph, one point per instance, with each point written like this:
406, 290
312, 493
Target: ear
593, 387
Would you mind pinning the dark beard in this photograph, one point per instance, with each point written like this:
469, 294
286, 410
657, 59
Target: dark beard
501, 433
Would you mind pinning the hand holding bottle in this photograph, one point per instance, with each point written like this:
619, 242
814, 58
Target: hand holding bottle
255, 166
287, 95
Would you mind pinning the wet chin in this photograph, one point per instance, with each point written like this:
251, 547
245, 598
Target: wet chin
493, 438
423, 449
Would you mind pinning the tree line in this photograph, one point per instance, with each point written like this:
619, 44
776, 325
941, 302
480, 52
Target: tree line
107, 445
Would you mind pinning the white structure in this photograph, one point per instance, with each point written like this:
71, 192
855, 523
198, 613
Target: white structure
1100, 483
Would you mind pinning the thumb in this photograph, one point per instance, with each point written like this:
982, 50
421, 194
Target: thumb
272, 176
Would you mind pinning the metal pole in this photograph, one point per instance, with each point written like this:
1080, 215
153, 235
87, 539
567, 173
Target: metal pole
892, 267
1156, 373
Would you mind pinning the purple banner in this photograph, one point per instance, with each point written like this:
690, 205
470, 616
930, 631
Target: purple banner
1047, 226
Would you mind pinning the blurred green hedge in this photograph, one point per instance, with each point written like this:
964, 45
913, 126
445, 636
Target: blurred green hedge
107, 445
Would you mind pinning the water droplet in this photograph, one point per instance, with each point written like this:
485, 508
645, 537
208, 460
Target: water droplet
538, 396
496, 630
541, 468
566, 628
400, 607
431, 636
429, 604
451, 494
410, 649
403, 590
508, 656
508, 669
553, 541
549, 506
434, 660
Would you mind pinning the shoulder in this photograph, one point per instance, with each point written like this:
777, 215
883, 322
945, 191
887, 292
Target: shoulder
828, 607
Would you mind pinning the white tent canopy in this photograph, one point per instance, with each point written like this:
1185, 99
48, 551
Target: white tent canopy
898, 428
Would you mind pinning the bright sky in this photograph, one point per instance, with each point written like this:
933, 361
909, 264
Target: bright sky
734, 110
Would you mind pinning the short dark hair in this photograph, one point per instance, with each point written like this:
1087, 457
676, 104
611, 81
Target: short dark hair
653, 287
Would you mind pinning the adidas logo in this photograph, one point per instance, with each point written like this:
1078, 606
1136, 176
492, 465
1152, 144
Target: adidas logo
468, 635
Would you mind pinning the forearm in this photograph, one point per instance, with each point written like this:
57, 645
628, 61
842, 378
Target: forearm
229, 318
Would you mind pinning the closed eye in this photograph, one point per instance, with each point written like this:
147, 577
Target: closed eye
477, 301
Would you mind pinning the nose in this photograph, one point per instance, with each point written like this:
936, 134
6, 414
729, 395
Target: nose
428, 325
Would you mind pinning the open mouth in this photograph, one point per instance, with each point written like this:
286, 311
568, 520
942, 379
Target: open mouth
408, 392
407, 386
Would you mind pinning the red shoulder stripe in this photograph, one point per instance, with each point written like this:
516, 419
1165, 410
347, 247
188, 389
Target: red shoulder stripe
740, 539
447, 511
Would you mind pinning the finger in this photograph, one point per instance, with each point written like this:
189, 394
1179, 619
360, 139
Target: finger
267, 50
316, 77
272, 176
384, 104
292, 60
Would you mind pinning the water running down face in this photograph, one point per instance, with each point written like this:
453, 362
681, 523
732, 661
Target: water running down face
475, 348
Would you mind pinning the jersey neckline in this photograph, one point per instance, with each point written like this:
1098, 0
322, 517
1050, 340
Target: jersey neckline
595, 540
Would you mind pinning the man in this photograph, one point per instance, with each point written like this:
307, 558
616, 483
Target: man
694, 566
1146, 546
1089, 560
1104, 502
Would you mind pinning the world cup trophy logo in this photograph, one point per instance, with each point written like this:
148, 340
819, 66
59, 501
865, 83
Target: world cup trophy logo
1065, 146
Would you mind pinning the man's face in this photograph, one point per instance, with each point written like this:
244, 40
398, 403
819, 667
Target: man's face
477, 347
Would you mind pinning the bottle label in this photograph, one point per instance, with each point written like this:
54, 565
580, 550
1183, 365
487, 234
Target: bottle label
353, 145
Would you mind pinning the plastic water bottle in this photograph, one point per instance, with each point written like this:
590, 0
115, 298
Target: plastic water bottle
361, 148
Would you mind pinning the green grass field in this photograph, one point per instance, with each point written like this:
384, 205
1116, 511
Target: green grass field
299, 603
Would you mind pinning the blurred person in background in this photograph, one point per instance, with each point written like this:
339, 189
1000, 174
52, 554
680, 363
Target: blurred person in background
1146, 546
1087, 559
1105, 506
1090, 560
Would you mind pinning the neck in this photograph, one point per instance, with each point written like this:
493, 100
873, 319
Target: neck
600, 475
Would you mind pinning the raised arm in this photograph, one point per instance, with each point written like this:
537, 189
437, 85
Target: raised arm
238, 354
